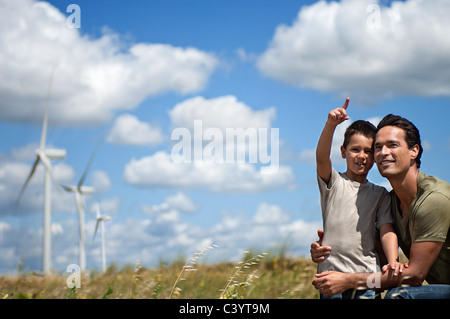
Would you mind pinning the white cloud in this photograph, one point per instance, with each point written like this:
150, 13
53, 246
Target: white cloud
239, 134
108, 206
63, 172
426, 145
129, 130
101, 181
93, 78
24, 153
172, 205
182, 202
375, 120
336, 47
233, 114
245, 56
221, 174
4, 228
160, 170
270, 214
57, 229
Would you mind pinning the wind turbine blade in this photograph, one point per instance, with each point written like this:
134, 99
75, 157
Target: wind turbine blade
33, 169
66, 188
108, 217
87, 167
45, 122
97, 211
96, 226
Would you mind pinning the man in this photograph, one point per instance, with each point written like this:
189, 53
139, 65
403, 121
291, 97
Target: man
421, 211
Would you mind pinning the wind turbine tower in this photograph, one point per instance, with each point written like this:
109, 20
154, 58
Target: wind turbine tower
79, 191
44, 155
100, 220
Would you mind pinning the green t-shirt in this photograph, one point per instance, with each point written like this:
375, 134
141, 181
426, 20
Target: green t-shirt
428, 219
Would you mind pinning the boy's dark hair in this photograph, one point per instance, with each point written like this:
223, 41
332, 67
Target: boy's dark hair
364, 128
412, 136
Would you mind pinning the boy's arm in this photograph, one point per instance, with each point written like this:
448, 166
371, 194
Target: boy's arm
323, 151
380, 252
390, 246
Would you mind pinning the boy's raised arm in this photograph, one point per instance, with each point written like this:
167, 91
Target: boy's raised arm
323, 151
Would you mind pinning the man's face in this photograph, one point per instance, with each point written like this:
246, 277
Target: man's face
392, 154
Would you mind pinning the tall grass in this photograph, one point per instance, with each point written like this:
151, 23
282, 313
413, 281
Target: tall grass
188, 267
258, 276
231, 290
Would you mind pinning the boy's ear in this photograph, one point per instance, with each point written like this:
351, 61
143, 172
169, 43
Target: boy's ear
343, 151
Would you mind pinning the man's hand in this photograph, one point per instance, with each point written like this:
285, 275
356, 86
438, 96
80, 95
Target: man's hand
318, 252
339, 115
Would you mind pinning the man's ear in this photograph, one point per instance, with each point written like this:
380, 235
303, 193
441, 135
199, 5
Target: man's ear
343, 151
415, 152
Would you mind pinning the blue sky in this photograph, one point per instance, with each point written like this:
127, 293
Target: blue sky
132, 73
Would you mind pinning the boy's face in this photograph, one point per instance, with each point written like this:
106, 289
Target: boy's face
358, 155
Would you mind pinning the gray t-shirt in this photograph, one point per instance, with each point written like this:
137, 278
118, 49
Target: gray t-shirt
350, 212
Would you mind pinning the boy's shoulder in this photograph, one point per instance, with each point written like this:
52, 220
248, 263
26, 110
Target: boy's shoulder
368, 185
381, 190
376, 186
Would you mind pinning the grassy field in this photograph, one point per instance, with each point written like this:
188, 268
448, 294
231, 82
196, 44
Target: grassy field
257, 276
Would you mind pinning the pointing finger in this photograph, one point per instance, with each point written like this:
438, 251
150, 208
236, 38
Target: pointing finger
346, 103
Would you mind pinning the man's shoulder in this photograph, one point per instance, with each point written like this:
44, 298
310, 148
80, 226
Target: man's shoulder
431, 187
433, 198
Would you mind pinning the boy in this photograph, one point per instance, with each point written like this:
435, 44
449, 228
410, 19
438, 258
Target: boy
351, 205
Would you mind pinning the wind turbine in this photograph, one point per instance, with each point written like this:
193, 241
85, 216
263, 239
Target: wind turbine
79, 191
100, 220
44, 155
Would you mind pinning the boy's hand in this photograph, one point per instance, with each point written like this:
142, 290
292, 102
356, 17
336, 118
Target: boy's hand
394, 268
318, 252
339, 115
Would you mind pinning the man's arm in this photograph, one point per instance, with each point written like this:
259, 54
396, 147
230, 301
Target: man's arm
422, 256
323, 149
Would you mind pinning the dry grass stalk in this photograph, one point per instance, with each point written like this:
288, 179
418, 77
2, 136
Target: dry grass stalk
189, 266
243, 265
